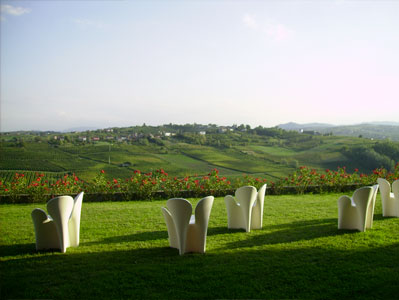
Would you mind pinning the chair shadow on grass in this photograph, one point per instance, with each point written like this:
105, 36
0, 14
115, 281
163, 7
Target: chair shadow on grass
17, 249
289, 232
24, 249
275, 234
379, 217
151, 272
136, 237
149, 236
219, 230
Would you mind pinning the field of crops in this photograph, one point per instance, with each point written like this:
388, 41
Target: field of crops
269, 159
31, 176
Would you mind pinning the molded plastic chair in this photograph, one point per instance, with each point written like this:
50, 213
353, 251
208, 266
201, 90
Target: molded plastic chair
390, 203
246, 209
187, 232
354, 213
61, 228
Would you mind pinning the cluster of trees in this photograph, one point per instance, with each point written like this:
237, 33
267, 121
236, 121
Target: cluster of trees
384, 154
243, 135
211, 134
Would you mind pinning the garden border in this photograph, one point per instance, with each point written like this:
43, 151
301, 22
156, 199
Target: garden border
159, 195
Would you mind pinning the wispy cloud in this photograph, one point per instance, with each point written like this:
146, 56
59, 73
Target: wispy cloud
89, 23
278, 32
15, 11
249, 21
274, 30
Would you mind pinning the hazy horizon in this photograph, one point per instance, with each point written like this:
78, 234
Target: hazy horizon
92, 128
68, 64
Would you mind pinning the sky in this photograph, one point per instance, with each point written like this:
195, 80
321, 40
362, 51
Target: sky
67, 64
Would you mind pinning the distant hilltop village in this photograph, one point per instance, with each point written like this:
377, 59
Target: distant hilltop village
136, 133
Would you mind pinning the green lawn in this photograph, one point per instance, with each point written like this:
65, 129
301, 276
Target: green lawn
124, 253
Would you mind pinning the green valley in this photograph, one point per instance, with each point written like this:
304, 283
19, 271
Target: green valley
189, 149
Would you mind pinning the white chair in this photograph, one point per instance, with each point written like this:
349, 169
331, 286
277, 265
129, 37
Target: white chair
245, 210
61, 228
187, 232
390, 203
354, 213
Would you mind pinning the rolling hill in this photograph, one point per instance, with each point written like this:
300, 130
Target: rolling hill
375, 130
191, 149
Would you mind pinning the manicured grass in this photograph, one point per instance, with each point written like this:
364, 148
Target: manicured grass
124, 253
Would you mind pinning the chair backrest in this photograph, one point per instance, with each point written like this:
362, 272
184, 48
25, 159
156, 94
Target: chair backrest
260, 198
203, 211
257, 211
74, 220
179, 205
385, 188
362, 198
370, 211
180, 210
77, 207
60, 209
364, 195
375, 192
171, 228
246, 195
